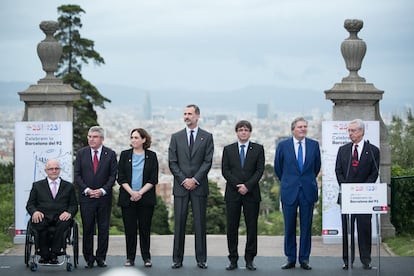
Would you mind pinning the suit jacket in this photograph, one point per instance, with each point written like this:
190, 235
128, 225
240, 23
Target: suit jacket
150, 175
105, 175
41, 199
197, 165
287, 170
367, 168
250, 174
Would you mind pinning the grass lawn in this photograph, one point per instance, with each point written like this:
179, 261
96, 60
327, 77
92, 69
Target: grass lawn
402, 245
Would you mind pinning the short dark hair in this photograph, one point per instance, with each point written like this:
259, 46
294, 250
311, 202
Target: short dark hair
144, 134
243, 123
196, 108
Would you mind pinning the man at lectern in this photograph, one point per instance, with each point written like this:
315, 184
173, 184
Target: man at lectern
357, 162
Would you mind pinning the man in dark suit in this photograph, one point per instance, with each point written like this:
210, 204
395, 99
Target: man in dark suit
357, 162
52, 202
242, 166
95, 174
190, 155
297, 164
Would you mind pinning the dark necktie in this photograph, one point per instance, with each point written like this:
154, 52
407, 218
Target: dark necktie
300, 156
191, 144
355, 161
242, 154
95, 161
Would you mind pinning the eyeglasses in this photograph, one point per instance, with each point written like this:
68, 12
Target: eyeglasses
53, 169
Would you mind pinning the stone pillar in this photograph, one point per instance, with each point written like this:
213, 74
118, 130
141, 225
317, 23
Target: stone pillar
354, 98
49, 99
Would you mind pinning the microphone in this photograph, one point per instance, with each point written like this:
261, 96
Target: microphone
373, 157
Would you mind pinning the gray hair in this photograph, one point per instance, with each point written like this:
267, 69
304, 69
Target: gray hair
359, 123
298, 119
97, 129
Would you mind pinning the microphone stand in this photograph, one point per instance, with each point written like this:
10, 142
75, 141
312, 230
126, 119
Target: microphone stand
377, 216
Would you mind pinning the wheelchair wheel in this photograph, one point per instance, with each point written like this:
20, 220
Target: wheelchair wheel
75, 244
33, 266
28, 245
69, 267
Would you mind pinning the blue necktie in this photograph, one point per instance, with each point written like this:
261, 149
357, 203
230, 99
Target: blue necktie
300, 157
242, 155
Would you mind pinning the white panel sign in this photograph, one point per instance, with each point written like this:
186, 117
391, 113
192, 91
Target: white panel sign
35, 143
364, 198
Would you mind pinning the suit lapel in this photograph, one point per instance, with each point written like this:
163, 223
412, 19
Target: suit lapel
102, 159
198, 141
363, 157
182, 140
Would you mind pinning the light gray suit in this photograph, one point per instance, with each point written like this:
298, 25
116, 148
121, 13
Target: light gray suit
182, 166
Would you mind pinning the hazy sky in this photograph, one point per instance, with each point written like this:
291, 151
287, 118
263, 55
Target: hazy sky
219, 44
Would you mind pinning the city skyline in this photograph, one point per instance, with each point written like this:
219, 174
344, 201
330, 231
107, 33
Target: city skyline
225, 47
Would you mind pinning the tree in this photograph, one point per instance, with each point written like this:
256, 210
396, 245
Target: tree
76, 52
216, 216
269, 190
160, 223
402, 141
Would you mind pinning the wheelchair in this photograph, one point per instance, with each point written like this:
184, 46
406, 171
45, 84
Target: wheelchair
71, 237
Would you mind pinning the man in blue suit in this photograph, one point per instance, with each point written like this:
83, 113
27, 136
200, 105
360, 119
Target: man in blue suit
297, 164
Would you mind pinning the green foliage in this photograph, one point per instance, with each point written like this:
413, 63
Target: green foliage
6, 173
160, 223
401, 133
76, 52
116, 223
271, 224
6, 215
402, 204
216, 218
402, 245
270, 191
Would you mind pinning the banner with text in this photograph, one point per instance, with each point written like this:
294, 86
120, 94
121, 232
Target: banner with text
35, 143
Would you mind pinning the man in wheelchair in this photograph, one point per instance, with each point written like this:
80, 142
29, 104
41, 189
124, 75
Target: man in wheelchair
52, 204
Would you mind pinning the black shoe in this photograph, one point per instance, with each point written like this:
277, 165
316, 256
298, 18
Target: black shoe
250, 266
345, 266
43, 260
176, 265
305, 266
202, 265
89, 264
231, 266
53, 259
147, 263
101, 263
288, 265
367, 266
129, 262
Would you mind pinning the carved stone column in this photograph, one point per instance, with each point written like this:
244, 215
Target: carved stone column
354, 98
49, 99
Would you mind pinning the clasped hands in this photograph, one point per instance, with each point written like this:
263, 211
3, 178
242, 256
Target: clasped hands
39, 216
97, 193
135, 196
242, 189
189, 184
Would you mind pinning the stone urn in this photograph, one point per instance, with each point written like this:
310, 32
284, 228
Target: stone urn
353, 50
